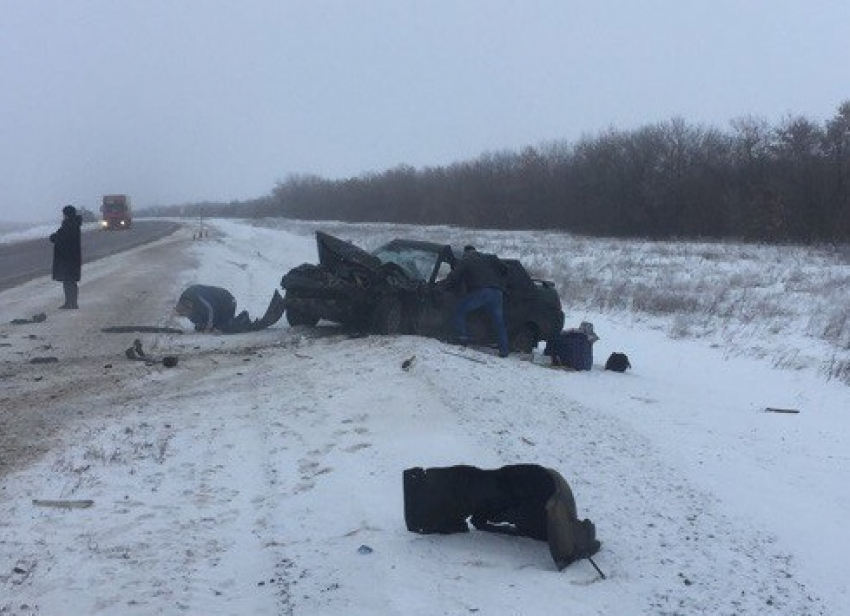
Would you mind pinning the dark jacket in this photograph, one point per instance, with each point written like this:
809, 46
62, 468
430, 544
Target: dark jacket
211, 306
67, 251
478, 270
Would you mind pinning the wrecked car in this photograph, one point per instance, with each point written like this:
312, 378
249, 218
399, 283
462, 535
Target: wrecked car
399, 288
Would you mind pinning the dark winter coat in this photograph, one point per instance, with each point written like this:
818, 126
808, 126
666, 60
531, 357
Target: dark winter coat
67, 251
212, 307
478, 270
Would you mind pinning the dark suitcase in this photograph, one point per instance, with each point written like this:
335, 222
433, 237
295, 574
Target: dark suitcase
571, 349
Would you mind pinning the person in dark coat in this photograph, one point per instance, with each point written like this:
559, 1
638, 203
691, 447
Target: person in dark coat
67, 255
484, 276
208, 308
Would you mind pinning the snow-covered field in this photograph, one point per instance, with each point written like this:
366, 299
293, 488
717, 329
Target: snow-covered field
247, 479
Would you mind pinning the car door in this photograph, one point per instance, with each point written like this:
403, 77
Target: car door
438, 301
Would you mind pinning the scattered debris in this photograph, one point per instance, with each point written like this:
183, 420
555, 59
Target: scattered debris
364, 549
36, 318
775, 410
140, 329
63, 504
523, 500
598, 570
44, 360
20, 572
137, 353
475, 359
407, 364
618, 362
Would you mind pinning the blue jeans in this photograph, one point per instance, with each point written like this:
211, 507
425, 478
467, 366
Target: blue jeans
489, 298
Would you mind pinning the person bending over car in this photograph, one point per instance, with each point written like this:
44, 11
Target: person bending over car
208, 308
484, 276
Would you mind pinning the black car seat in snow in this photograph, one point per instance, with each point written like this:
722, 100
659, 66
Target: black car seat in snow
526, 500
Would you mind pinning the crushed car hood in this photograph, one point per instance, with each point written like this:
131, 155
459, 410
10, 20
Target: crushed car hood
334, 252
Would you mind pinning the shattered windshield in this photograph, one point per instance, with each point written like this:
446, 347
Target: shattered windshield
416, 262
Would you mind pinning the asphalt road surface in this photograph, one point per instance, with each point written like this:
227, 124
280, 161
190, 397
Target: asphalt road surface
23, 261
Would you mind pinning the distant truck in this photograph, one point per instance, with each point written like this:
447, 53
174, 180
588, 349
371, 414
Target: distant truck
116, 212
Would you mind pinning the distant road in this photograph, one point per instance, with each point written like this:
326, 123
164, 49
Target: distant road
23, 261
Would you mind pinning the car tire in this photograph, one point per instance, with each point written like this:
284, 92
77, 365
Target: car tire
525, 339
296, 317
388, 317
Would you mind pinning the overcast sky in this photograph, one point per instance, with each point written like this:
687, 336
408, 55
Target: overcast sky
175, 101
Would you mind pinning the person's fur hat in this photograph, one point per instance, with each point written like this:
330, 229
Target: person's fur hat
69, 210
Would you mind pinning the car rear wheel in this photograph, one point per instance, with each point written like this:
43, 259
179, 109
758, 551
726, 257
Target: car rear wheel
296, 317
388, 316
525, 339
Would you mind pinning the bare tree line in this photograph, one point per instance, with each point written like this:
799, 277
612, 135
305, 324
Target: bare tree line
789, 182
